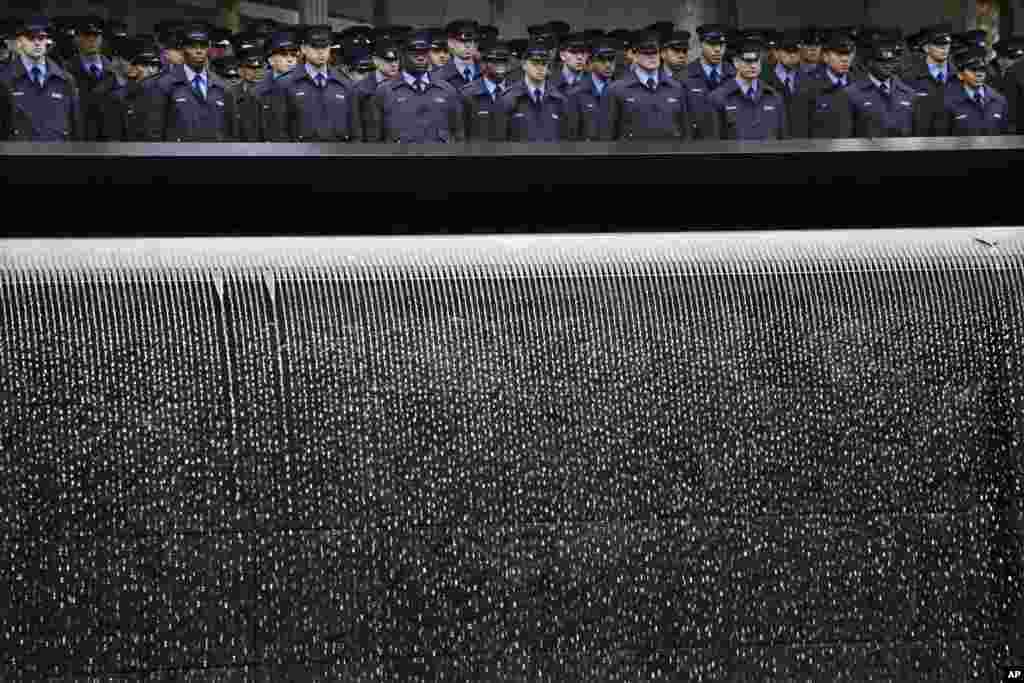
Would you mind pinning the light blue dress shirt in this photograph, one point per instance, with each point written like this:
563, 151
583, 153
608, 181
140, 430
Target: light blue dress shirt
836, 79
782, 74
599, 84
204, 84
935, 70
644, 75
461, 66
408, 77
89, 62
313, 73
971, 92
746, 89
29, 64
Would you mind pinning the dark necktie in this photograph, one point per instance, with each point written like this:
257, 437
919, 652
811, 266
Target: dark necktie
468, 74
884, 89
197, 86
940, 78
37, 76
421, 86
979, 100
752, 94
714, 78
652, 84
536, 96
789, 84
320, 81
96, 73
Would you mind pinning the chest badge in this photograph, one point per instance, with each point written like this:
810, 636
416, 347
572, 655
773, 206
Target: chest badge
769, 107
961, 117
57, 96
440, 100
180, 100
672, 100
631, 100
869, 103
401, 99
731, 107
339, 96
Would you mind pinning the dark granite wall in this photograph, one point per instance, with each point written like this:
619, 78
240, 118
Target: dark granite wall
540, 459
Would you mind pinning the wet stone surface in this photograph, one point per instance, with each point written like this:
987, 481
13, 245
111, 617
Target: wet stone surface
550, 475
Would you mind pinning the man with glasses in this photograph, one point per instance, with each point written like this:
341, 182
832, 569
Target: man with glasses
38, 99
746, 107
970, 107
189, 103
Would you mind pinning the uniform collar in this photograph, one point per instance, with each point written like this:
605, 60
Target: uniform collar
643, 75
745, 89
708, 67
29, 65
877, 83
190, 75
971, 92
570, 76
412, 80
94, 60
836, 79
530, 89
461, 65
313, 73
935, 69
783, 73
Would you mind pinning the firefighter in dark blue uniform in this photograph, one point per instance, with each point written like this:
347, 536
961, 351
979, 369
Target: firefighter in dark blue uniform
481, 99
675, 55
574, 54
970, 107
786, 76
388, 67
590, 116
93, 74
462, 44
38, 99
882, 105
316, 103
358, 64
417, 107
821, 109
646, 104
705, 75
189, 103
747, 108
533, 111
931, 75
123, 118
811, 39
1006, 76
250, 95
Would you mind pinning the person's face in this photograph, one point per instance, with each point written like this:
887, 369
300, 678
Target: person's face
789, 58
883, 69
283, 62
712, 52
648, 59
496, 70
135, 72
251, 74
603, 67
628, 56
536, 69
463, 49
938, 53
973, 78
174, 56
675, 57
89, 44
810, 54
388, 68
197, 54
316, 56
439, 57
418, 60
839, 62
747, 70
33, 46
575, 59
